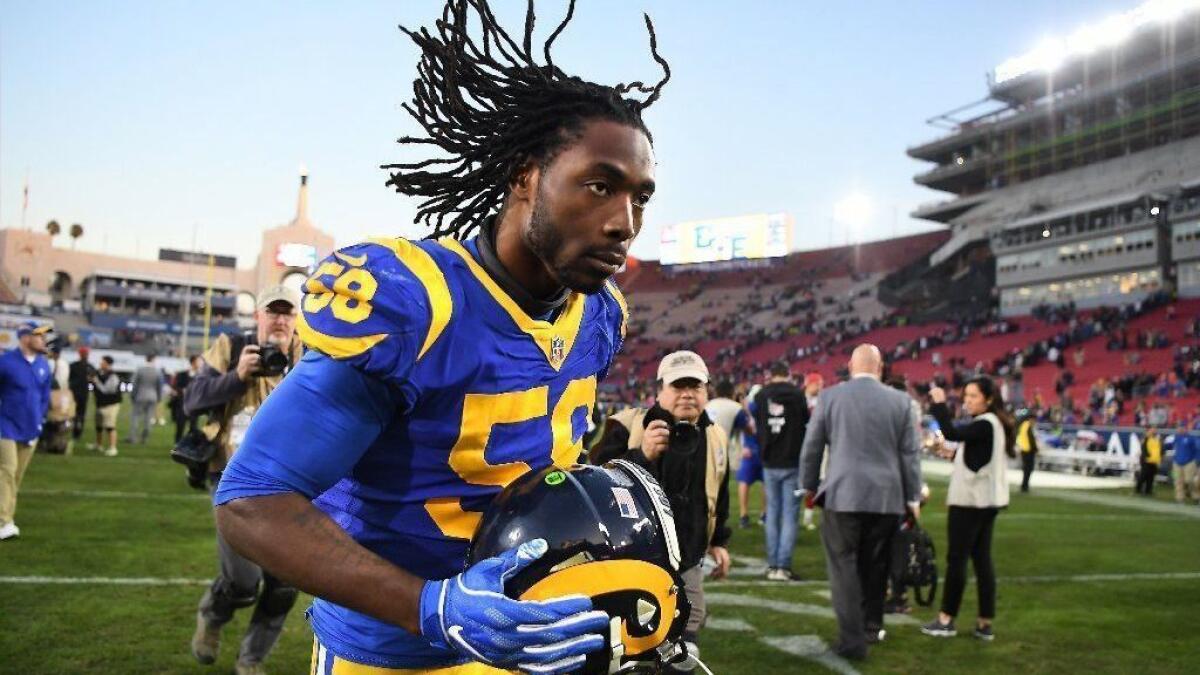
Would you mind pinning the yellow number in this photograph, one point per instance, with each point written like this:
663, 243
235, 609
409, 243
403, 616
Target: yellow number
355, 285
350, 297
318, 295
481, 413
579, 394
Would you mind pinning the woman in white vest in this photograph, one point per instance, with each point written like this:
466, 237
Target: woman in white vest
978, 490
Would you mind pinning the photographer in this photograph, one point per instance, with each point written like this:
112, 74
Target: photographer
237, 374
687, 453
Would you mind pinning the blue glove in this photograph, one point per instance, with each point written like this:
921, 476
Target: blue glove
470, 614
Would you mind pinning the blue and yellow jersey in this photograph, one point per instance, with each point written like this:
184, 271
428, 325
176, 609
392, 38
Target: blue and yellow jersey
426, 389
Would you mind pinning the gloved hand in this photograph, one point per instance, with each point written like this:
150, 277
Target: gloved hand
470, 614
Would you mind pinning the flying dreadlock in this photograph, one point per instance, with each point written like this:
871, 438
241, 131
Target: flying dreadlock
492, 109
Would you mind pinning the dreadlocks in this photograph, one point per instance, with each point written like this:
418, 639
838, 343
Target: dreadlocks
493, 109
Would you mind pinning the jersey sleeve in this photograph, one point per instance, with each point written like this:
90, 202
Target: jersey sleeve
310, 432
376, 306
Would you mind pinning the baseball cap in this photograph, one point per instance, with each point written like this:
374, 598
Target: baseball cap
681, 364
813, 378
279, 293
33, 328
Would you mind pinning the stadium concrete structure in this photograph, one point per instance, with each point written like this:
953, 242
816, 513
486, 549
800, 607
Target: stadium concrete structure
117, 293
1081, 167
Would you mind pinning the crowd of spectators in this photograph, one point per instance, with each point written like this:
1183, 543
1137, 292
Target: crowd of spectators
1111, 399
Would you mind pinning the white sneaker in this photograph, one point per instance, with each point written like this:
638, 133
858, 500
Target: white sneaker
110, 452
9, 531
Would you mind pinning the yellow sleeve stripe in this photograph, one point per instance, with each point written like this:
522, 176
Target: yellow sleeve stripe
422, 265
337, 347
620, 298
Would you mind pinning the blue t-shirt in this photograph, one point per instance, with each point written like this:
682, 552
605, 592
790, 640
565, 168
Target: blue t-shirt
424, 392
24, 395
749, 441
1185, 449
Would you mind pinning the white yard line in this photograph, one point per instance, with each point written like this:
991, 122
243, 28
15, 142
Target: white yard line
728, 625
105, 581
1007, 515
1143, 504
1046, 579
940, 470
94, 456
784, 606
1086, 578
811, 648
110, 494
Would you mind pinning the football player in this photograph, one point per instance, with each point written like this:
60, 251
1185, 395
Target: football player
439, 371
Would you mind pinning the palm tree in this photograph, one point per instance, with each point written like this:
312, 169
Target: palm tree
53, 228
76, 233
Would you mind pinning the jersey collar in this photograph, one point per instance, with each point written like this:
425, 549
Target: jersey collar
554, 339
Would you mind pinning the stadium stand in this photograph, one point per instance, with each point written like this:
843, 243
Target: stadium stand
743, 320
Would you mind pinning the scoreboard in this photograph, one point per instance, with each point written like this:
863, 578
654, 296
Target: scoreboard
737, 238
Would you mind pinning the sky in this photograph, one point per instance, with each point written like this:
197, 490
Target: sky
148, 121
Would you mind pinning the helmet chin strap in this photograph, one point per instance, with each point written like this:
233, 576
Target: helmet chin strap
667, 654
618, 646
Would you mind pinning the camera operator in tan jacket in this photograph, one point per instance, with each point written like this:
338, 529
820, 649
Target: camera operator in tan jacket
237, 376
688, 454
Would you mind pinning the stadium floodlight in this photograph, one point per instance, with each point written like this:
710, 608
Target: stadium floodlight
854, 209
1165, 11
1110, 32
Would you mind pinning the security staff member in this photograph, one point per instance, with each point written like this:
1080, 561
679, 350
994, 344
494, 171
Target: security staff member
231, 387
691, 471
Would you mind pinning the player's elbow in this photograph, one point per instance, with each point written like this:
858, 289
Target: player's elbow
255, 527
238, 522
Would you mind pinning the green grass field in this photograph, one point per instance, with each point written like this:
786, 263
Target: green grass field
133, 518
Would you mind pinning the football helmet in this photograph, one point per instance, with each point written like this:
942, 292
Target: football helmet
611, 536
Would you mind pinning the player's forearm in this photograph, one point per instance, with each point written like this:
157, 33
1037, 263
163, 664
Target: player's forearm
298, 543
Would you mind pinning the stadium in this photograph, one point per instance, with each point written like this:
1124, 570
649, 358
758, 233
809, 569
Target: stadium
1061, 260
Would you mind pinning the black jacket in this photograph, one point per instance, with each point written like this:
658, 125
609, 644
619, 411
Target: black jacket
108, 380
976, 436
682, 478
781, 419
79, 374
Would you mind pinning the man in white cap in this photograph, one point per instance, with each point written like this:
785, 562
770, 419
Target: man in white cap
688, 454
237, 375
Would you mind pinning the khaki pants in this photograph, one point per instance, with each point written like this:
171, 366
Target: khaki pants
14, 459
1185, 482
106, 417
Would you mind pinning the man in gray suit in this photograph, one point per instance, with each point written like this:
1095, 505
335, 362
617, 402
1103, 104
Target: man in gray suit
873, 475
146, 393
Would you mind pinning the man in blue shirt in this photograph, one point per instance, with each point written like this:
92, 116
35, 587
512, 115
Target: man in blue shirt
24, 400
1184, 462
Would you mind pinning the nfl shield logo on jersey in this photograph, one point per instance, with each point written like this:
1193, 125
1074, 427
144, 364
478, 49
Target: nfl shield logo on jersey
558, 349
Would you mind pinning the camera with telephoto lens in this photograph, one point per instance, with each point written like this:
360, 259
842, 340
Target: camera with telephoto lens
684, 436
272, 360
